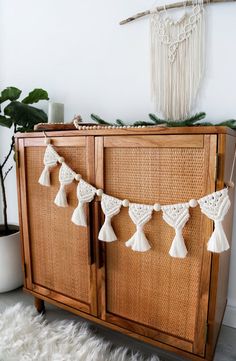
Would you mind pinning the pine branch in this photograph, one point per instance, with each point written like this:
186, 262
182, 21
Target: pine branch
195, 118
120, 122
99, 120
142, 122
155, 119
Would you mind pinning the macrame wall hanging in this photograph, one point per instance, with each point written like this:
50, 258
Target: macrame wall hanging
215, 206
177, 55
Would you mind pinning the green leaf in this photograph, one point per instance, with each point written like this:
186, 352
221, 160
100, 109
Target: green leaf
99, 120
5, 122
25, 116
10, 93
35, 96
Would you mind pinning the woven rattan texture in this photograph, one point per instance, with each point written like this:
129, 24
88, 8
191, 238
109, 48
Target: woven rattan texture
152, 288
59, 249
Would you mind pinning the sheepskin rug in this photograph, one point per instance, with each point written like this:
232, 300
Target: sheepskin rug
26, 336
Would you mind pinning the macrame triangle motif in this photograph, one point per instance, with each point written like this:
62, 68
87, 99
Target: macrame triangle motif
215, 206
140, 215
50, 160
85, 194
111, 207
176, 216
66, 176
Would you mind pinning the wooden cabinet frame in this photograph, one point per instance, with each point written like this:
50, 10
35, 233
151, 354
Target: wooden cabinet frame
220, 145
23, 144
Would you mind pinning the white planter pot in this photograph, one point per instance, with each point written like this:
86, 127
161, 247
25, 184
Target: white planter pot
11, 275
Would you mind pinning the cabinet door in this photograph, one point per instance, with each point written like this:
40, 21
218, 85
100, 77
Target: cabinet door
151, 293
57, 253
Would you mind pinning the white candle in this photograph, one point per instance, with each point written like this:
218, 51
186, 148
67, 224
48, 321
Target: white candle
55, 112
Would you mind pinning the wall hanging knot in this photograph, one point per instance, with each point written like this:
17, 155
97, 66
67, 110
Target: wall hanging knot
111, 207
177, 215
140, 215
66, 176
85, 194
215, 206
50, 160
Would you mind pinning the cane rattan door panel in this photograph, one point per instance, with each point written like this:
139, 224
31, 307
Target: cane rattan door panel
152, 293
58, 249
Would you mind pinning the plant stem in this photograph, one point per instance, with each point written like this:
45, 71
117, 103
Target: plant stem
9, 153
4, 200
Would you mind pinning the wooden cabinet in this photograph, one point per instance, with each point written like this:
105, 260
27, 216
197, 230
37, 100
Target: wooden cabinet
175, 304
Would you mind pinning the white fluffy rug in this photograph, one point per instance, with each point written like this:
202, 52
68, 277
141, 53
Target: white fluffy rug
26, 336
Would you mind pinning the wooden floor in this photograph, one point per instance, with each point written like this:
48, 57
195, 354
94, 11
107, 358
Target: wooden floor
226, 348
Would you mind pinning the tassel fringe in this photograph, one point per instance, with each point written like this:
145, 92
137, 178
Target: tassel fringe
79, 216
44, 178
178, 248
218, 242
61, 200
107, 233
138, 242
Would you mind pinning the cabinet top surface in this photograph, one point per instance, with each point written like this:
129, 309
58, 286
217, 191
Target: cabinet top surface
128, 131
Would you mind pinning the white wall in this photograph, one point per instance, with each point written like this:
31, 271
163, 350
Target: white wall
78, 52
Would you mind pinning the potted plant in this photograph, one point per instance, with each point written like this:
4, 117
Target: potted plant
22, 117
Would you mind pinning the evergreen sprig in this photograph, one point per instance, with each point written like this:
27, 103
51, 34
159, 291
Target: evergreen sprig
193, 120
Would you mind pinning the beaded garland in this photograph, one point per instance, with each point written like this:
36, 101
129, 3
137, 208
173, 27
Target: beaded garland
215, 206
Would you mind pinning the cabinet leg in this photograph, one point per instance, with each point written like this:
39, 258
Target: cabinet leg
39, 305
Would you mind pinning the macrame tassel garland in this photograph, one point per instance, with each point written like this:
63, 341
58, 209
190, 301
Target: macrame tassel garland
85, 194
140, 215
111, 207
177, 60
176, 216
215, 206
50, 160
66, 176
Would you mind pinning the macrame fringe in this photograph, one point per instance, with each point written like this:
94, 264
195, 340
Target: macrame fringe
85, 194
44, 178
107, 233
215, 206
79, 216
138, 242
218, 242
177, 215
61, 199
178, 248
177, 61
111, 207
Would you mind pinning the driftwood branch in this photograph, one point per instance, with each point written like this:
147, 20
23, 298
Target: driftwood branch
169, 6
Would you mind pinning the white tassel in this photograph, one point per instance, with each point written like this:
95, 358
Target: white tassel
44, 179
61, 199
107, 233
66, 176
176, 216
215, 206
50, 160
218, 242
85, 194
78, 216
178, 248
140, 215
138, 242
111, 207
